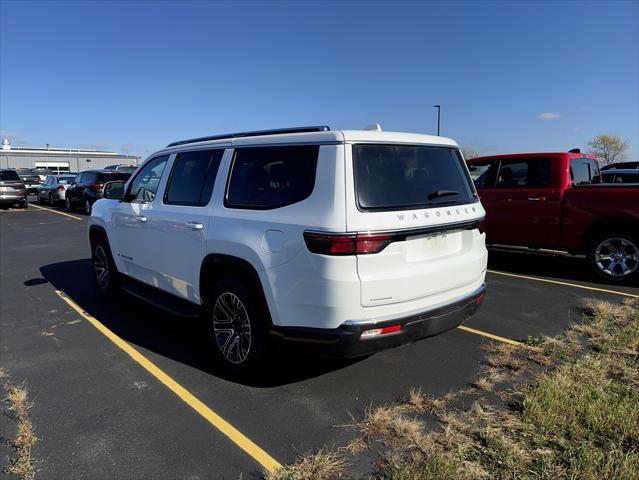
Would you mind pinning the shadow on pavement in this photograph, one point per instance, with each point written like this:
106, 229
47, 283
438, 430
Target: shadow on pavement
183, 340
557, 266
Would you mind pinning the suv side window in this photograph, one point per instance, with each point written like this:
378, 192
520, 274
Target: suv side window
264, 178
524, 173
145, 184
583, 171
78, 179
192, 177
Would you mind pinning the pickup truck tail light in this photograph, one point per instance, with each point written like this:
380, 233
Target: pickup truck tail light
96, 186
346, 244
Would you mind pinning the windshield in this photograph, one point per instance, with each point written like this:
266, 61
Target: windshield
115, 175
9, 175
402, 177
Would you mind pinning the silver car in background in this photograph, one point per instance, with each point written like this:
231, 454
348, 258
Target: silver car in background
54, 188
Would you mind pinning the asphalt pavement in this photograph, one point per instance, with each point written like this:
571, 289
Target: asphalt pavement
102, 414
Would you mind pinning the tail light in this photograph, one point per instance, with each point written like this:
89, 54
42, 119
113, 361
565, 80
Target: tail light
346, 244
60, 188
96, 185
373, 332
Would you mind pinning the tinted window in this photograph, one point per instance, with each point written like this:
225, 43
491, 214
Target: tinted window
192, 177
65, 180
397, 177
110, 177
272, 177
582, 171
9, 175
524, 173
145, 184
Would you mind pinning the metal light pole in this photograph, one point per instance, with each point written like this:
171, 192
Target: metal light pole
439, 114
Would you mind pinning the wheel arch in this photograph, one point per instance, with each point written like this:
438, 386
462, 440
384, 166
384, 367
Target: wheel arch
616, 223
217, 266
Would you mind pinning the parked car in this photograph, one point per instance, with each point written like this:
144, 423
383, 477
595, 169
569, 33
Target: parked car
43, 173
87, 188
122, 168
12, 189
556, 201
32, 182
624, 165
621, 175
54, 188
339, 242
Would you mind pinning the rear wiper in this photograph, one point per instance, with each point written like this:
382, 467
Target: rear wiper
442, 193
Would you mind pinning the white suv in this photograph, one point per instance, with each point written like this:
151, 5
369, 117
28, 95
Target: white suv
336, 242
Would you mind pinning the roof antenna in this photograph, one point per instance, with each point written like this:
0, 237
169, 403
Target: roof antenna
375, 127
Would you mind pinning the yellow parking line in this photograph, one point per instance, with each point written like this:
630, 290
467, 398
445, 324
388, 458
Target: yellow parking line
55, 211
490, 335
259, 455
557, 282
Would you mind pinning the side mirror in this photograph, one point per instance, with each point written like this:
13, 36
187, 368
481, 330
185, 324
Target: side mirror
114, 190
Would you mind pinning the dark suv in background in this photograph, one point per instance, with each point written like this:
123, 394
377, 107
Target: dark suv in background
12, 189
88, 186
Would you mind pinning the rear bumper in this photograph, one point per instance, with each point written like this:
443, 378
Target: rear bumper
346, 341
13, 197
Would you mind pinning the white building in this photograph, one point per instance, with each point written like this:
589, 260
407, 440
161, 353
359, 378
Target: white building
59, 159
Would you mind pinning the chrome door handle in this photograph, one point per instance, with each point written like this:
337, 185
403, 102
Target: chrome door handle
536, 199
142, 219
194, 225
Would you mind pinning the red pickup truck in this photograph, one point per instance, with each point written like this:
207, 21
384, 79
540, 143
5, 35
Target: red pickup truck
556, 201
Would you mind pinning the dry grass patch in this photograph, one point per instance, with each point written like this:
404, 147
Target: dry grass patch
557, 408
22, 464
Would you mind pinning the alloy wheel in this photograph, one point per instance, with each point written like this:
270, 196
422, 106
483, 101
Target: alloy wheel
101, 267
232, 328
617, 257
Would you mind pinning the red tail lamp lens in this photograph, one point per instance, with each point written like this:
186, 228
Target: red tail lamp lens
374, 332
347, 244
96, 186
60, 188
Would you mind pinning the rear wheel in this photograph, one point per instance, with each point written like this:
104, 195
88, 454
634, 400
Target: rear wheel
51, 201
24, 204
104, 270
236, 326
87, 206
614, 256
67, 204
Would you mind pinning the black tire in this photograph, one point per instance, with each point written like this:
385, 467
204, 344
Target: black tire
239, 342
104, 269
614, 256
51, 201
23, 204
68, 205
87, 207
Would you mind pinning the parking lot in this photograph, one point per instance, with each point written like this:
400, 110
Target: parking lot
121, 386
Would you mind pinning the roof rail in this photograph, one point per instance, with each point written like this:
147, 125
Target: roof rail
256, 133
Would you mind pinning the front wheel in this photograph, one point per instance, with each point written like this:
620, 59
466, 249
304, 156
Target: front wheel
104, 270
614, 256
237, 327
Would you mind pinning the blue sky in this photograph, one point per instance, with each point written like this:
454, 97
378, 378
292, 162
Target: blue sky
134, 76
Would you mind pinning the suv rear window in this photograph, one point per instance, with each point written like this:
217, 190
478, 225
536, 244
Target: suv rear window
110, 177
9, 175
403, 177
264, 178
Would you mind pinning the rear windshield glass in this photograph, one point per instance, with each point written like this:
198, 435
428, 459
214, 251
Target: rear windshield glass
402, 177
65, 180
9, 175
109, 177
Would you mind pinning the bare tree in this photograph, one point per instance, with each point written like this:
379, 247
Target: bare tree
469, 153
608, 148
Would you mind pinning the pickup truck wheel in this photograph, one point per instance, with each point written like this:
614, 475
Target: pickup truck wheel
104, 270
236, 327
615, 256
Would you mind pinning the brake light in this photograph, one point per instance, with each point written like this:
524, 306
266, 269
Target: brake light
346, 244
60, 188
96, 185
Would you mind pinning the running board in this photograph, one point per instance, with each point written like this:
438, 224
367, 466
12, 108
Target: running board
164, 300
